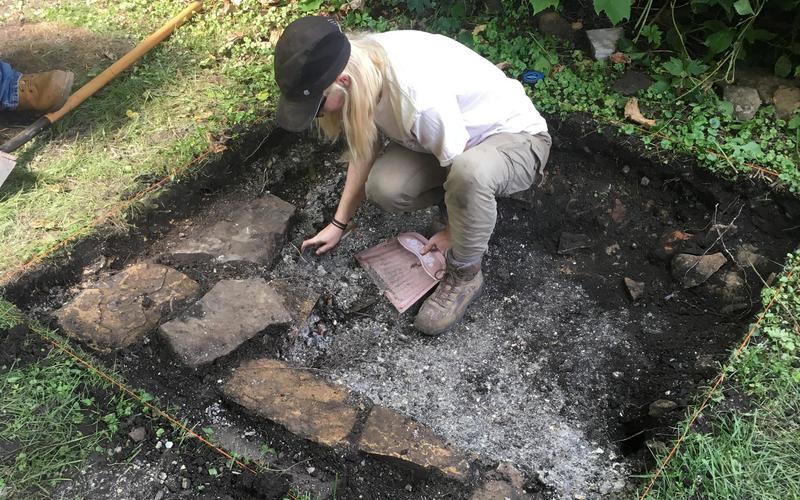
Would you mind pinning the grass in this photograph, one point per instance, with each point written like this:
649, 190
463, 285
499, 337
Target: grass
188, 96
49, 420
750, 454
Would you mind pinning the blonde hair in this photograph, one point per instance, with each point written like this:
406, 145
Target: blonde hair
357, 117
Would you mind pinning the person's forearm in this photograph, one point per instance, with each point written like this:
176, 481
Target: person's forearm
353, 193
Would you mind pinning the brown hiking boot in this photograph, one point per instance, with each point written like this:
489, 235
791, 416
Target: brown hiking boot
447, 305
46, 91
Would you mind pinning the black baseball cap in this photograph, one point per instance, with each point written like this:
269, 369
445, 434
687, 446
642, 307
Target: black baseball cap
310, 54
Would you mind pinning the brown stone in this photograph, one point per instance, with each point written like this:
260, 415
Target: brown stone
116, 312
499, 490
669, 244
299, 300
233, 312
693, 270
619, 212
296, 399
389, 434
505, 482
253, 231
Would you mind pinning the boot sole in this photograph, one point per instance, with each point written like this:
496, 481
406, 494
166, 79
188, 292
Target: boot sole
436, 333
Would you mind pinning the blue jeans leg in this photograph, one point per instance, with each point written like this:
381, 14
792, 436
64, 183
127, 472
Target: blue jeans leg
9, 90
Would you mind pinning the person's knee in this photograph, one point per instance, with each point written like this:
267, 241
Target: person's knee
387, 195
467, 176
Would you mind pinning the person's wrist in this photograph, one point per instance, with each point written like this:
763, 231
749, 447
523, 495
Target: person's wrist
339, 224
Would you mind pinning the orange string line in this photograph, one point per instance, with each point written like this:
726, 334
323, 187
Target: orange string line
717, 381
130, 392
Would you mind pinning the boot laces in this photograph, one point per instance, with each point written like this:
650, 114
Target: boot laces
447, 291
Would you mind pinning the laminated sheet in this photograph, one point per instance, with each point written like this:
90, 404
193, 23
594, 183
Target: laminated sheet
398, 267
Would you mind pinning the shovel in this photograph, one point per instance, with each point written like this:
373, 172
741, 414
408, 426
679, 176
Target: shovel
7, 161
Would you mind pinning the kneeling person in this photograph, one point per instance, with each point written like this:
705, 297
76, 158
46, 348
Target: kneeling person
463, 134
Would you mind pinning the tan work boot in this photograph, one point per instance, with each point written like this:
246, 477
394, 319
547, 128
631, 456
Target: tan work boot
447, 305
46, 91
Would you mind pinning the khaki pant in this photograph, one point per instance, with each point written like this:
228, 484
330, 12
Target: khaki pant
402, 180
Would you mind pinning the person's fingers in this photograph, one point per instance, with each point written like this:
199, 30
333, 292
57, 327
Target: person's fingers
428, 247
325, 247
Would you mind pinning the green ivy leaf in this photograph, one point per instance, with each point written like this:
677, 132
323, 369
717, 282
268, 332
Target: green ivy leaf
743, 7
753, 35
540, 5
725, 108
616, 10
783, 66
718, 42
794, 123
752, 148
309, 5
659, 86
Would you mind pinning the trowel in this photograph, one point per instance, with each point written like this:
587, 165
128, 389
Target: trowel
8, 162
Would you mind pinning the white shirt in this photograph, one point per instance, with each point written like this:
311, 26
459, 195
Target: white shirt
440, 97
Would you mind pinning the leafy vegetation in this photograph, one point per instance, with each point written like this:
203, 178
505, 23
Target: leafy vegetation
751, 453
690, 117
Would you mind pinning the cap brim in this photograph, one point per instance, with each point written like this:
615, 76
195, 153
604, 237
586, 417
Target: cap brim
297, 115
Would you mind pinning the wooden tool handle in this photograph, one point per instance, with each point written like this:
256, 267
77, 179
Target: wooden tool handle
124, 63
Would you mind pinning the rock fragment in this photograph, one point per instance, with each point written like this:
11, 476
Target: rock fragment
233, 312
254, 232
389, 434
661, 407
693, 270
570, 242
604, 41
293, 398
632, 82
635, 289
787, 100
669, 244
118, 311
551, 23
745, 101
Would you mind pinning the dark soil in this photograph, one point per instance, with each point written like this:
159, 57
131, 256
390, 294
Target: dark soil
599, 358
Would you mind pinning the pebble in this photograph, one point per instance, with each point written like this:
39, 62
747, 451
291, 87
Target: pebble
645, 181
409, 488
168, 445
311, 470
626, 169
118, 449
185, 483
137, 435
162, 476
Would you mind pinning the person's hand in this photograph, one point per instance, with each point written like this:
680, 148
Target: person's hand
440, 241
324, 240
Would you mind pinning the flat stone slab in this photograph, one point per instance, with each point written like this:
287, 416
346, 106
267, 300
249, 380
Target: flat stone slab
254, 232
233, 312
390, 434
116, 312
693, 270
296, 399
